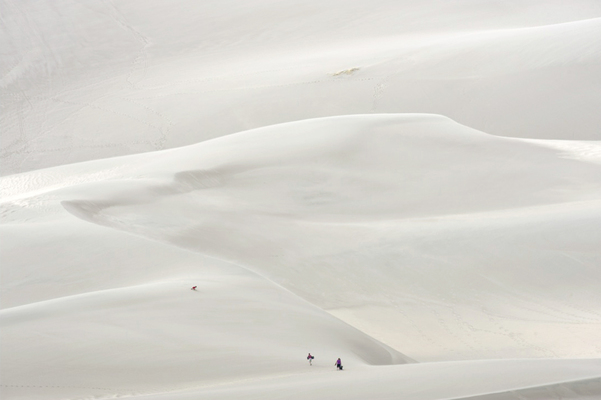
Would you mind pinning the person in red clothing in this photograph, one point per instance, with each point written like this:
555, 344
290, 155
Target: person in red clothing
310, 358
193, 288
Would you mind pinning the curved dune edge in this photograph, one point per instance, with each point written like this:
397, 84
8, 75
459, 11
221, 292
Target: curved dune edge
466, 380
481, 380
362, 217
288, 202
383, 182
129, 78
575, 389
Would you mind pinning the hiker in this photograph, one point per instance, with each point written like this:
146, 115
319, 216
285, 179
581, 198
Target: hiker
194, 287
310, 358
339, 364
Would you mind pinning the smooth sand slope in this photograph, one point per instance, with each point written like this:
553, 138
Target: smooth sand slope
83, 81
414, 187
363, 216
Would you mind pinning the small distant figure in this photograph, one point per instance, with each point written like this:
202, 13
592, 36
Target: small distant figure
310, 358
194, 287
339, 364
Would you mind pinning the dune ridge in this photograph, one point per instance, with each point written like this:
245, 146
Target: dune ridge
155, 87
260, 217
414, 187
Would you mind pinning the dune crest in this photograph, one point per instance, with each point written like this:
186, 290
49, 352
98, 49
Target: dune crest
196, 195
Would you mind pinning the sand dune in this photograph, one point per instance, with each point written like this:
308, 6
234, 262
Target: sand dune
287, 201
162, 336
417, 264
145, 77
415, 381
414, 187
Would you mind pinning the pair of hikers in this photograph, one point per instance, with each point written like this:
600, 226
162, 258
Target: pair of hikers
338, 362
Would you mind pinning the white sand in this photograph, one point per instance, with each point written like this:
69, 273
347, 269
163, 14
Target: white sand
84, 81
440, 258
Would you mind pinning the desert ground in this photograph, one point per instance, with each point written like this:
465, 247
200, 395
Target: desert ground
412, 187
